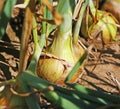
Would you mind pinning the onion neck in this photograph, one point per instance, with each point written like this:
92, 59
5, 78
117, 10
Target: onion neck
62, 47
62, 44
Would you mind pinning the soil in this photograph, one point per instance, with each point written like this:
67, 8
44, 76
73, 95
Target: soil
102, 69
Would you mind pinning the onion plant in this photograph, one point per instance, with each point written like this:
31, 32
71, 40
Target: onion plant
21, 92
99, 23
64, 52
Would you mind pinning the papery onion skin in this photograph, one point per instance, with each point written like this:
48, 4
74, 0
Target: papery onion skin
50, 69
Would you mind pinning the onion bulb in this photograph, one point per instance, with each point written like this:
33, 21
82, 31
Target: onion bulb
105, 25
63, 57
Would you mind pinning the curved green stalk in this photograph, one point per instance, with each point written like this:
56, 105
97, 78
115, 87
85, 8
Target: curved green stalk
33, 64
50, 27
84, 4
37, 49
65, 9
105, 96
76, 67
58, 98
92, 6
31, 100
79, 97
